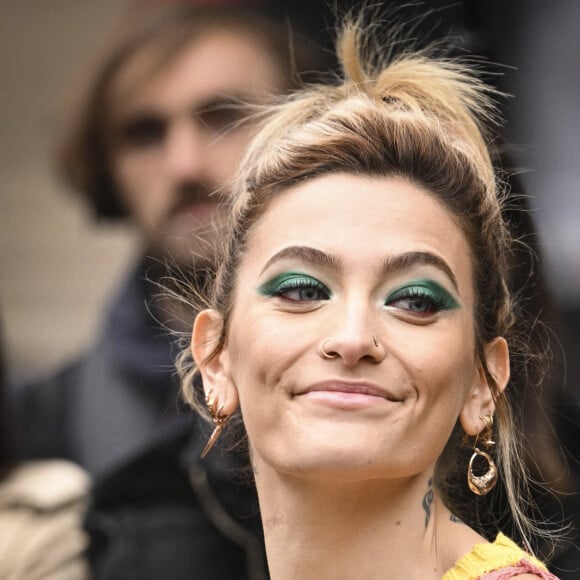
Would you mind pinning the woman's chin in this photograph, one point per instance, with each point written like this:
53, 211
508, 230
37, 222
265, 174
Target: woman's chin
323, 461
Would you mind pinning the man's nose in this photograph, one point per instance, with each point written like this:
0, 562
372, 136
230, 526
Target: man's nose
185, 153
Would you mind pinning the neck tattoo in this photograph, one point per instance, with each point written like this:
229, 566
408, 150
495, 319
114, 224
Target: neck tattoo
427, 501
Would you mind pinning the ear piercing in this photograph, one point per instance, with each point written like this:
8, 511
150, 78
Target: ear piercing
219, 420
483, 484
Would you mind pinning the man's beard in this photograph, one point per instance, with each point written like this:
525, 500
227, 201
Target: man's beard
185, 240
183, 261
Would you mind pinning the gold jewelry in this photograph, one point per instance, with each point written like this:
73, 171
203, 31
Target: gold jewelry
324, 353
486, 433
483, 484
219, 420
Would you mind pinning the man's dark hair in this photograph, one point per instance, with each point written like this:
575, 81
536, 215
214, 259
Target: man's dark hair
83, 158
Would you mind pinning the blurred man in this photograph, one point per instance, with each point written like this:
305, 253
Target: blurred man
162, 129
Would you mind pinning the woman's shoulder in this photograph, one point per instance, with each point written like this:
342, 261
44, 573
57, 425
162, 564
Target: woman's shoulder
502, 559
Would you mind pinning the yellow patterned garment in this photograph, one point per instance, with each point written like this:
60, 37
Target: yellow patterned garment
499, 560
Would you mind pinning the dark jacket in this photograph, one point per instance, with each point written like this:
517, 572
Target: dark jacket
157, 512
167, 515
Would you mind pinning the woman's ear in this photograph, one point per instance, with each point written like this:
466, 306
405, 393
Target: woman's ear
214, 367
480, 401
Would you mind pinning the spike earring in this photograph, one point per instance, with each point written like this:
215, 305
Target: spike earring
219, 421
484, 483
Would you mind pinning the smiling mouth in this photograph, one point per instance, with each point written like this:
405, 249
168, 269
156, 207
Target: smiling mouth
347, 396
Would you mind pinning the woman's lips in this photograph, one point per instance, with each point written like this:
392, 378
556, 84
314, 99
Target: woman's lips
343, 395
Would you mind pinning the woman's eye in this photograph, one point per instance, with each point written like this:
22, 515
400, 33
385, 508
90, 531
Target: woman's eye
421, 305
302, 294
422, 301
296, 289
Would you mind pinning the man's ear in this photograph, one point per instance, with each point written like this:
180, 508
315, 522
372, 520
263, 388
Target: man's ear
479, 401
214, 368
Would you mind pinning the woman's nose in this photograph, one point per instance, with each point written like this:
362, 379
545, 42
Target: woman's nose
353, 341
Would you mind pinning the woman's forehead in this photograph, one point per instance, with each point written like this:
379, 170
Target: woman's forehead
360, 218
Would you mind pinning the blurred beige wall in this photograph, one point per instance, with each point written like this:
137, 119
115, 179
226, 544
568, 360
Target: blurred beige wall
57, 268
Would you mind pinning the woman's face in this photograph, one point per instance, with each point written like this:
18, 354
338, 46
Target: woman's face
338, 265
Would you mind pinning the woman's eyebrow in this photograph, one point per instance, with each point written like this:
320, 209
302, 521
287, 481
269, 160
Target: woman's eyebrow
408, 259
306, 254
390, 265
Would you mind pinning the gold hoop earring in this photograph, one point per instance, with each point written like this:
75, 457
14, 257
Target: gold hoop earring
219, 420
481, 484
484, 483
323, 353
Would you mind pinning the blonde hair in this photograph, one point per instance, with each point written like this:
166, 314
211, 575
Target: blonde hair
426, 119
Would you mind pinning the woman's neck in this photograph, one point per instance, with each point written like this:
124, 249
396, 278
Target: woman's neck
372, 530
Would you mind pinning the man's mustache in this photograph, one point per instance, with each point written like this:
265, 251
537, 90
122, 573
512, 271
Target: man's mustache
191, 194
